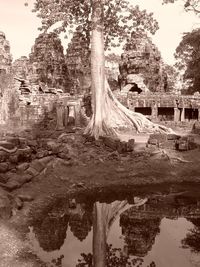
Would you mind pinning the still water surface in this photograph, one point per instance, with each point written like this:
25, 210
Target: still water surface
163, 231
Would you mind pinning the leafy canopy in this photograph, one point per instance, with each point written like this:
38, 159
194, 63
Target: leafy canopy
188, 56
120, 18
189, 5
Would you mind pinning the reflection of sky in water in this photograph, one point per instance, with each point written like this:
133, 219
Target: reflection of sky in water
71, 249
166, 251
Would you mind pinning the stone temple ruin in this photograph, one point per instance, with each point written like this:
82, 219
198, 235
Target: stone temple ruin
49, 82
5, 56
45, 65
141, 64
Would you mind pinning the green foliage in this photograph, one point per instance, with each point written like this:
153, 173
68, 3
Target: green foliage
120, 18
188, 56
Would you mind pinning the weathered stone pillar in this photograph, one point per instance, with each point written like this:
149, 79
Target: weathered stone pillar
60, 112
71, 117
198, 114
176, 114
66, 115
154, 112
77, 109
183, 114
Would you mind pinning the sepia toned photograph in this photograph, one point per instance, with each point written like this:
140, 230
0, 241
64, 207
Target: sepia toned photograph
99, 133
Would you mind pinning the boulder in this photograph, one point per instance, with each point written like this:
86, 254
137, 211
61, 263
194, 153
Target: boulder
32, 171
32, 143
42, 153
111, 142
24, 154
23, 142
122, 147
18, 203
25, 197
66, 138
4, 167
159, 137
37, 165
7, 145
5, 205
16, 180
13, 158
44, 161
4, 156
153, 142
173, 137
130, 145
23, 166
14, 140
196, 127
53, 146
186, 143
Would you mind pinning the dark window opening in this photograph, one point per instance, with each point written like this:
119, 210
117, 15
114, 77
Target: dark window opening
145, 111
166, 114
191, 114
135, 88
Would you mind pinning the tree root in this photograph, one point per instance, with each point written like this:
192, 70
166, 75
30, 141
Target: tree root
164, 153
115, 116
10, 151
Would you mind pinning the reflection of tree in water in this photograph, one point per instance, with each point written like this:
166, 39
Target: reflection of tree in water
192, 239
114, 258
80, 226
140, 233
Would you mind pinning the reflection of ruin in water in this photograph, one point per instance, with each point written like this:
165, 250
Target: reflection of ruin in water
163, 232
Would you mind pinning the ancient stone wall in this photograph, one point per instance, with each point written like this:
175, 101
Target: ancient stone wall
42, 111
164, 107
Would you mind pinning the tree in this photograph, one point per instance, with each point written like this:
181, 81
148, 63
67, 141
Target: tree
193, 237
103, 22
188, 56
189, 5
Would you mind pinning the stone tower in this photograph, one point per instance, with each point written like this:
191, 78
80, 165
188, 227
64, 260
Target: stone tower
78, 62
141, 57
5, 56
47, 62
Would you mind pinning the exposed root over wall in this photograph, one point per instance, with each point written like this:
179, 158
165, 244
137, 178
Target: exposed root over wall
114, 116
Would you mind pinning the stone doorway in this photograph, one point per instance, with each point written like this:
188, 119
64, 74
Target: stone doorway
191, 114
165, 114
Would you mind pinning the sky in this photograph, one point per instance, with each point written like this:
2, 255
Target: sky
20, 25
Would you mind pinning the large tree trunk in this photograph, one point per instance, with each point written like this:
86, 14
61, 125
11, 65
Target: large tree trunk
109, 115
97, 66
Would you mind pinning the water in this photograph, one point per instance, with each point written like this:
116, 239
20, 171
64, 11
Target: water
163, 231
